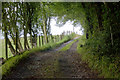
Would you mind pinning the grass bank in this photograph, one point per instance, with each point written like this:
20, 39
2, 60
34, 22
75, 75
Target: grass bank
13, 61
68, 45
2, 46
107, 66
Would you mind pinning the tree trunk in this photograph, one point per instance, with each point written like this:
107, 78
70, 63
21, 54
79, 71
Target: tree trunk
25, 39
28, 47
11, 47
20, 45
88, 20
35, 40
45, 33
99, 12
6, 49
51, 38
87, 35
108, 6
111, 35
39, 41
17, 37
16, 42
42, 40
30, 29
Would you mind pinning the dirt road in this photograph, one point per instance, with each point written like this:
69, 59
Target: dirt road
53, 64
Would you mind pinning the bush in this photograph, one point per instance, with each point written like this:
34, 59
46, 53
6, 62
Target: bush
107, 66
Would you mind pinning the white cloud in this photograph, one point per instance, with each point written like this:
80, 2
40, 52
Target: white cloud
56, 30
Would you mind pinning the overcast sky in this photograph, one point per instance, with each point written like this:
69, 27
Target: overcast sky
67, 27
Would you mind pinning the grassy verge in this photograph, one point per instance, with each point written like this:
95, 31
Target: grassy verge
108, 67
13, 61
2, 46
68, 45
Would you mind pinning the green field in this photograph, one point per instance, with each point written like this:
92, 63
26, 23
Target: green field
2, 49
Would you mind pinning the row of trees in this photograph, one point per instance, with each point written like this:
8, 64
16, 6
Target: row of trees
26, 18
99, 20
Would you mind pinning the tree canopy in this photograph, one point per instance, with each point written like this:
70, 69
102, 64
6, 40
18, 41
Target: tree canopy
99, 20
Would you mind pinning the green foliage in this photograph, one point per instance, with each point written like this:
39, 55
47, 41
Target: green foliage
105, 65
24, 18
100, 21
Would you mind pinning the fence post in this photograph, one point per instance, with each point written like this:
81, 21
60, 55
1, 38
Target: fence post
59, 38
47, 39
55, 38
36, 40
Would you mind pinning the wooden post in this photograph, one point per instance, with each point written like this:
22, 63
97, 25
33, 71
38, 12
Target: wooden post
49, 39
55, 38
62, 36
111, 35
35, 40
59, 38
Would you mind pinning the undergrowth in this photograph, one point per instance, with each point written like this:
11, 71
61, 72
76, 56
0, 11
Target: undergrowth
107, 66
